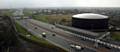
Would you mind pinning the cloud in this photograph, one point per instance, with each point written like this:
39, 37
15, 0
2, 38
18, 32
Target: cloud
58, 3
99, 3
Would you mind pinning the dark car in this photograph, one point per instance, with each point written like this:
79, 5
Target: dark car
53, 35
35, 28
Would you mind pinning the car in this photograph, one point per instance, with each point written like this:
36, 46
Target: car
53, 35
28, 35
35, 28
52, 27
44, 36
118, 47
72, 45
76, 46
43, 33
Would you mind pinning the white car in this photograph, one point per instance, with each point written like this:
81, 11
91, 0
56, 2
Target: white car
43, 33
118, 47
76, 46
28, 35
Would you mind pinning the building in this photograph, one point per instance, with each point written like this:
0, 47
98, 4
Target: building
90, 21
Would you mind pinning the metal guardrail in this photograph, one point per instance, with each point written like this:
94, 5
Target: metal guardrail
104, 35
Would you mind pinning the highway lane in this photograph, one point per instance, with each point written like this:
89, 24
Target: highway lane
57, 37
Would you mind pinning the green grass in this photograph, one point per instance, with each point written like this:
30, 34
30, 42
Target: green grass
61, 19
41, 18
40, 41
116, 36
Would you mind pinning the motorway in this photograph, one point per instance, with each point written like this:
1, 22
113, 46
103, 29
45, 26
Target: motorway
62, 39
58, 40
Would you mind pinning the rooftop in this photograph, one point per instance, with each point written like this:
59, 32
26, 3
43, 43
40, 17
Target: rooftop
90, 16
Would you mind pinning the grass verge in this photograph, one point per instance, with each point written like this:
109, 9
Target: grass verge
61, 19
116, 36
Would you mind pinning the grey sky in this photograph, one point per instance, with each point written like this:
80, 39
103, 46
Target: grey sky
58, 3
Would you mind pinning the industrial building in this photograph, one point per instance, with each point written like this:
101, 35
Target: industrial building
90, 21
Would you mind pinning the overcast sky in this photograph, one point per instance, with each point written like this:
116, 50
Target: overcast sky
58, 3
